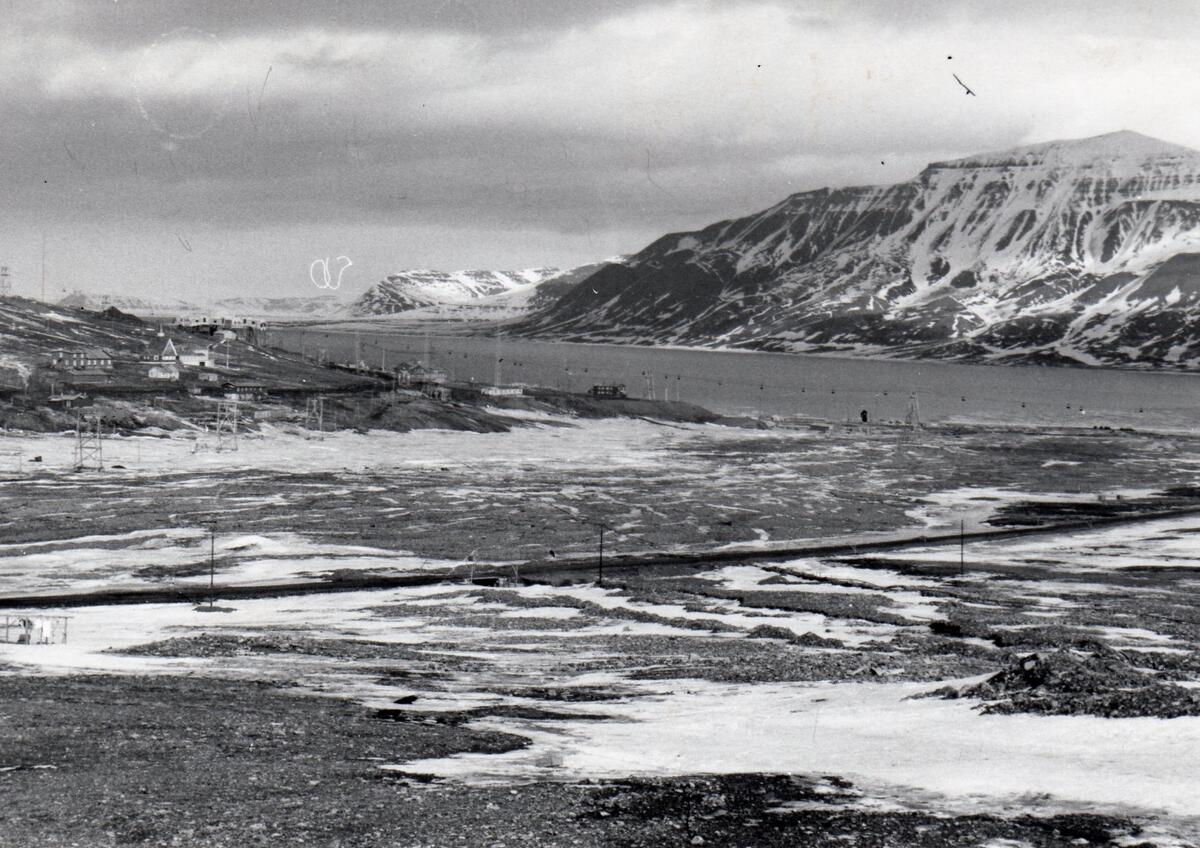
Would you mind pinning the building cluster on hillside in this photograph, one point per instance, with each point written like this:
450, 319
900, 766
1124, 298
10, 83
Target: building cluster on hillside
217, 322
163, 360
167, 362
434, 383
431, 382
246, 329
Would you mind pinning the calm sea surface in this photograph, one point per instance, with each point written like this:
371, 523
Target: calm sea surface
787, 384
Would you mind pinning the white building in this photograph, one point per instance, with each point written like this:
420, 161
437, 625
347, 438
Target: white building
166, 371
194, 358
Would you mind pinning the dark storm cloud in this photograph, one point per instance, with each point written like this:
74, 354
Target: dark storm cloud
127, 22
541, 117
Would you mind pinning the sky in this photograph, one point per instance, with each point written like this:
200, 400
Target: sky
191, 149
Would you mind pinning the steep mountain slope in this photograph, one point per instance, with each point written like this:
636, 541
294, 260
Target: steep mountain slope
1082, 251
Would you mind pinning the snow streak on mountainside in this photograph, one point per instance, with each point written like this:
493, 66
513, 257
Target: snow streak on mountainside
1082, 251
468, 295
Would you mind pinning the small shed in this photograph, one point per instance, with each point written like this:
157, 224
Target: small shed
65, 400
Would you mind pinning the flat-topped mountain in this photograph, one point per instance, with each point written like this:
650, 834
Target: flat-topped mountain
1073, 251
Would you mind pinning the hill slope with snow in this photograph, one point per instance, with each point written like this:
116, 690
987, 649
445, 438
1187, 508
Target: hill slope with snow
467, 295
1073, 251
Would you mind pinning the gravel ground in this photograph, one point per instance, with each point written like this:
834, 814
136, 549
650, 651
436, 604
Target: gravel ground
169, 761
242, 752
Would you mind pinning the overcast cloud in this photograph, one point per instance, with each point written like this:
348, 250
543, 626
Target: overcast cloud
181, 148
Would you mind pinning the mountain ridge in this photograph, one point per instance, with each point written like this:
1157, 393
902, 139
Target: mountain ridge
1041, 253
477, 295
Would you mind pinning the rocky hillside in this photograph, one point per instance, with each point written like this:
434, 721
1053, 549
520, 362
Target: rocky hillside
30, 332
1082, 251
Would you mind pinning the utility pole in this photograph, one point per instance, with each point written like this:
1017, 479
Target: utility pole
962, 532
46, 317
499, 359
647, 385
600, 562
913, 416
212, 562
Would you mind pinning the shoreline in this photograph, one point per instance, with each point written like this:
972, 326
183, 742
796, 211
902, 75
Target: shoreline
419, 328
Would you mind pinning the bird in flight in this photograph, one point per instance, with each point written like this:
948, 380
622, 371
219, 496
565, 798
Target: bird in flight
964, 85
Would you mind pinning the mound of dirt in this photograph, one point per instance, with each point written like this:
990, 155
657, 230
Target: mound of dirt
1103, 684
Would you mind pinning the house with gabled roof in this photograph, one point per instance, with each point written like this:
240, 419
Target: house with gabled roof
83, 359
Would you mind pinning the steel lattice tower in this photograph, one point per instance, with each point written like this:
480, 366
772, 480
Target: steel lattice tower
314, 414
89, 443
227, 425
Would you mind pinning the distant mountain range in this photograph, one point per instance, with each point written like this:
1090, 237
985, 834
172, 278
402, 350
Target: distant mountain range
468, 295
325, 306
415, 294
1083, 251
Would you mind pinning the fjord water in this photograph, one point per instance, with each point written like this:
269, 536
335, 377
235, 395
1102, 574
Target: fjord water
786, 384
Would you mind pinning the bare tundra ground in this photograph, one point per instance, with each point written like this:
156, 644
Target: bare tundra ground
1033, 691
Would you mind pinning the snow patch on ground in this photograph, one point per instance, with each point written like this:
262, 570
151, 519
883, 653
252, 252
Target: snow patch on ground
874, 734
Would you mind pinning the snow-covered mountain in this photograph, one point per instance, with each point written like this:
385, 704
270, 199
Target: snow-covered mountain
467, 295
1083, 251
